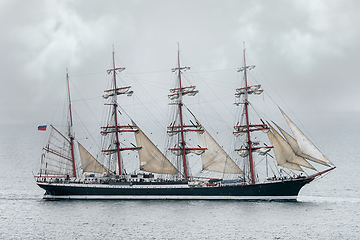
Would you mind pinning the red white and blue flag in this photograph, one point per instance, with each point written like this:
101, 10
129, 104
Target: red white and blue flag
42, 127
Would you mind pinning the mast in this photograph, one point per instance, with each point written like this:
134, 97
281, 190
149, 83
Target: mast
177, 95
243, 94
246, 104
183, 143
71, 135
117, 143
113, 127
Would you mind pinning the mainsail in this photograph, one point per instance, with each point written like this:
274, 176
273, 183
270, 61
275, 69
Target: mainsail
89, 163
305, 147
151, 158
215, 159
56, 158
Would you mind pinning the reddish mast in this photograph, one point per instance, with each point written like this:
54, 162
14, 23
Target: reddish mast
183, 143
248, 127
115, 128
178, 93
117, 143
246, 103
71, 135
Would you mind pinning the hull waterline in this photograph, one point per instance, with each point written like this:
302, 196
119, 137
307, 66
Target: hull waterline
279, 190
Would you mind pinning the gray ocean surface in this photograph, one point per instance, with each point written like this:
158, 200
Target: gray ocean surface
326, 209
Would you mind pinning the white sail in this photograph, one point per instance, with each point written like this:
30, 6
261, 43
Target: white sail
151, 158
306, 146
289, 153
56, 158
89, 163
284, 157
295, 147
215, 159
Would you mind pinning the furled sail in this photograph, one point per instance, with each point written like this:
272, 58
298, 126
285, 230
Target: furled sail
151, 158
89, 163
306, 147
283, 152
178, 151
56, 158
215, 159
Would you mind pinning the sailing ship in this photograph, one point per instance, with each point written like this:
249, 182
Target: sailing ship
169, 175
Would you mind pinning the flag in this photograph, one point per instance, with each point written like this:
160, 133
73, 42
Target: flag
42, 127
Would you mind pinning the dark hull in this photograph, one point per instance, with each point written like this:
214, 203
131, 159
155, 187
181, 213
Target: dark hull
281, 190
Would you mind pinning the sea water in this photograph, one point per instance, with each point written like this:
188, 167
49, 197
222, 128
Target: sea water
328, 208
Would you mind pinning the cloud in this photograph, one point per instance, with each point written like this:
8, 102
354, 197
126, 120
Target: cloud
306, 49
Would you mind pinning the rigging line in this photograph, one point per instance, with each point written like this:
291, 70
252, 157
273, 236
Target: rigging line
307, 132
123, 111
154, 101
131, 73
149, 112
217, 70
87, 105
217, 83
258, 162
274, 89
84, 100
195, 163
146, 82
149, 72
86, 129
272, 170
216, 113
57, 105
257, 112
135, 80
229, 139
87, 74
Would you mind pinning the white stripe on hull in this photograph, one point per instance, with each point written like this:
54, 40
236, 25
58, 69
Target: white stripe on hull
107, 186
164, 197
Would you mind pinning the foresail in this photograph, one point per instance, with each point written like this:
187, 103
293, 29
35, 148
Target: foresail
295, 147
215, 159
306, 146
56, 158
284, 156
89, 163
151, 158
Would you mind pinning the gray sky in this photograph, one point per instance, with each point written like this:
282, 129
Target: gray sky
307, 49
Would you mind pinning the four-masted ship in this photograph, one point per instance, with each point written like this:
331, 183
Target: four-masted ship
169, 176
